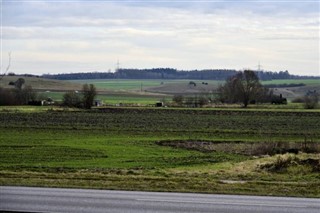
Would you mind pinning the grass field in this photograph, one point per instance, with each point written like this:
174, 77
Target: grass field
133, 84
122, 84
171, 87
127, 84
116, 98
117, 148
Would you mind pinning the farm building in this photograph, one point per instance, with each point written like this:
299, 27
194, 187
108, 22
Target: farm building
278, 100
159, 104
36, 103
97, 103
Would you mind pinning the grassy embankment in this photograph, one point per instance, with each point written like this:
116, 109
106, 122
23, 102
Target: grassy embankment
117, 149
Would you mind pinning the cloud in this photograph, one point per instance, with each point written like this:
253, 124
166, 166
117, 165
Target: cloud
182, 34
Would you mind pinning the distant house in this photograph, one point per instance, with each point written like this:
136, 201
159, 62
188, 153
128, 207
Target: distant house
97, 103
278, 100
49, 101
36, 103
159, 104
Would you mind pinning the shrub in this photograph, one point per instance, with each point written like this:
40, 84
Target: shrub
178, 99
293, 164
71, 99
192, 83
281, 163
298, 100
203, 101
17, 96
311, 100
89, 93
7, 97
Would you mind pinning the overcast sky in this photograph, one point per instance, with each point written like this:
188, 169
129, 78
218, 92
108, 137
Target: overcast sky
83, 36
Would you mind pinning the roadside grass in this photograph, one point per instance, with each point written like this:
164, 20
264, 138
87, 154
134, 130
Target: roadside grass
169, 183
115, 148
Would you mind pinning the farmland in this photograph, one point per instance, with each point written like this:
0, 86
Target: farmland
167, 88
135, 149
116, 97
158, 86
146, 92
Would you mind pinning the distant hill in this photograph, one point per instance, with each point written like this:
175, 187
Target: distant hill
169, 73
39, 83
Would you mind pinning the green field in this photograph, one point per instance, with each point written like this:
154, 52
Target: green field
118, 148
139, 91
120, 84
134, 84
128, 84
114, 98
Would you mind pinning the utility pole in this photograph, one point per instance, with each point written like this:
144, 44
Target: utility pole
118, 66
259, 70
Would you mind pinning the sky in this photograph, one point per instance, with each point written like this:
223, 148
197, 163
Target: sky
71, 36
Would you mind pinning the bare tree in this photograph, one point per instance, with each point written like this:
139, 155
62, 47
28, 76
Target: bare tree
311, 100
71, 99
89, 93
178, 99
242, 87
19, 83
23, 96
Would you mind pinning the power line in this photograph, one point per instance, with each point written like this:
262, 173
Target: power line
118, 65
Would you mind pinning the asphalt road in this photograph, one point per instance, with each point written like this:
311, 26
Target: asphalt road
29, 199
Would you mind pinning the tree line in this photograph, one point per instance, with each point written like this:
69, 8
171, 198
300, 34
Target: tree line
169, 73
21, 94
244, 88
84, 99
